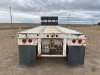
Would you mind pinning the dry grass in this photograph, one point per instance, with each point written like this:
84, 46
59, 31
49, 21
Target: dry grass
17, 25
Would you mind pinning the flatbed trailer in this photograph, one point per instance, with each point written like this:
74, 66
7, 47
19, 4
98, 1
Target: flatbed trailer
51, 41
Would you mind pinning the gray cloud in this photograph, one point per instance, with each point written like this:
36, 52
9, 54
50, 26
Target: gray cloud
78, 8
50, 5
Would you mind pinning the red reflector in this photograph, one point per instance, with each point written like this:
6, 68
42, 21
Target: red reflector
30, 40
79, 41
73, 40
24, 40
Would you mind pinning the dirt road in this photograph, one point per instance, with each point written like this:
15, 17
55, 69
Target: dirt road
9, 62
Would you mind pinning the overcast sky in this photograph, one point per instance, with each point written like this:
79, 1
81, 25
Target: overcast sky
29, 11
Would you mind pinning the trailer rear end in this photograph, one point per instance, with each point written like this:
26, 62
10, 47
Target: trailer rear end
51, 41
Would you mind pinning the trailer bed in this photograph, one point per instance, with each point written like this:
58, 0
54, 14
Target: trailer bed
51, 29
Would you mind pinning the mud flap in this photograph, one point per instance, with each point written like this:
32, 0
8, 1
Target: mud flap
27, 54
76, 55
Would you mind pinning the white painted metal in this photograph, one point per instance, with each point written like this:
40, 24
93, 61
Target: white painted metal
39, 46
34, 30
50, 29
43, 31
64, 47
53, 56
66, 30
44, 35
51, 32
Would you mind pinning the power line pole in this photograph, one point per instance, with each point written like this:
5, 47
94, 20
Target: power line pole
92, 21
11, 17
68, 17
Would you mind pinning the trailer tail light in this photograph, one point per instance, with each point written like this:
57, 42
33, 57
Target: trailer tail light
24, 40
79, 41
73, 40
30, 40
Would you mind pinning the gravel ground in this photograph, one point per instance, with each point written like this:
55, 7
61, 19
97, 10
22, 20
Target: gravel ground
9, 59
